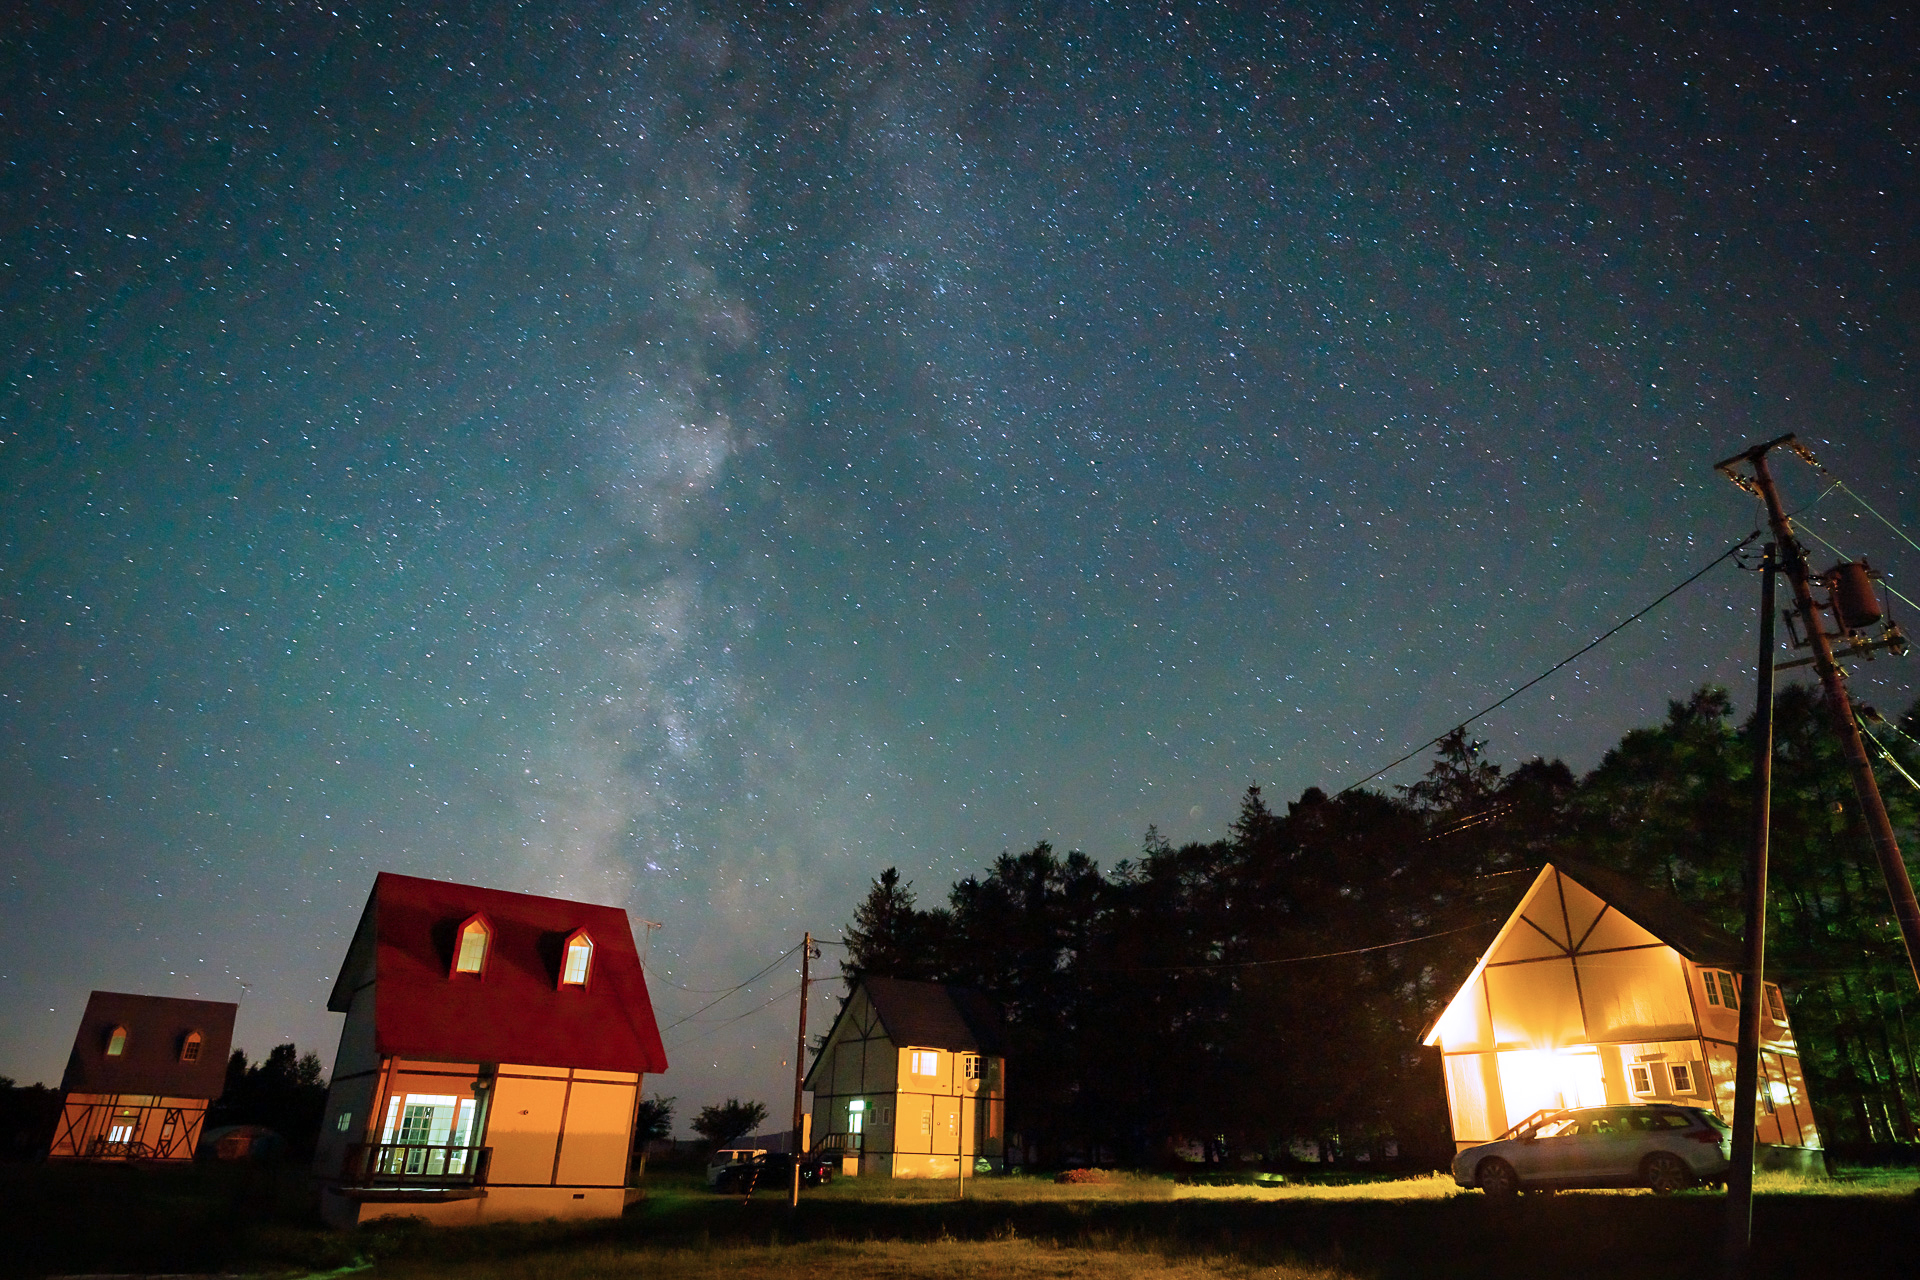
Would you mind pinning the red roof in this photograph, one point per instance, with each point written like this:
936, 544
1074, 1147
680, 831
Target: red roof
516, 1010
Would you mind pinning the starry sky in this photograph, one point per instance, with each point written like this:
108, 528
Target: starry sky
694, 457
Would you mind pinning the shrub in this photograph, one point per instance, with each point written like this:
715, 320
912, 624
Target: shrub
1078, 1176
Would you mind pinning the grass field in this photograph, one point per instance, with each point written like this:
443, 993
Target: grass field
72, 1221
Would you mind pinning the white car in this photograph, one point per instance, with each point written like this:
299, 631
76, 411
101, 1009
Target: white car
1665, 1148
722, 1162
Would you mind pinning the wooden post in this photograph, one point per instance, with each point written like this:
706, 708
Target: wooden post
800, 1068
1873, 810
1753, 993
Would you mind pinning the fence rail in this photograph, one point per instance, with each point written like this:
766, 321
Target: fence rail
373, 1164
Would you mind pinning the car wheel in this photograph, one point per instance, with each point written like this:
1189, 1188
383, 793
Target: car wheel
1665, 1173
1497, 1178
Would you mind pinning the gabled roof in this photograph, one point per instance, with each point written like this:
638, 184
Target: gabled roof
1654, 916
516, 1011
927, 1015
157, 1029
935, 1015
1663, 916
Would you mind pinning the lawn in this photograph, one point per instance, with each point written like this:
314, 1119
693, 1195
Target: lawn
67, 1221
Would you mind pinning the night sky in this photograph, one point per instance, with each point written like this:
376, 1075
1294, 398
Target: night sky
693, 460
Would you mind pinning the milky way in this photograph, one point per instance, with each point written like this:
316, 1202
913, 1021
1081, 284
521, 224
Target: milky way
694, 460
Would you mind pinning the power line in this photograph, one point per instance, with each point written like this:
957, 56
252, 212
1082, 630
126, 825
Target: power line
723, 991
693, 991
1595, 643
760, 1008
1844, 556
1868, 508
736, 987
1255, 964
1885, 754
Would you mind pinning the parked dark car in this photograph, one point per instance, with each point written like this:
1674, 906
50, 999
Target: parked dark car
771, 1169
1665, 1148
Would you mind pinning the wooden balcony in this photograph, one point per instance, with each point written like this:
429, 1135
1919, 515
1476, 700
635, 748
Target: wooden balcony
415, 1171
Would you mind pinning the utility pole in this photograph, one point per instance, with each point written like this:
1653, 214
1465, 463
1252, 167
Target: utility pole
800, 1067
1793, 562
1746, 1074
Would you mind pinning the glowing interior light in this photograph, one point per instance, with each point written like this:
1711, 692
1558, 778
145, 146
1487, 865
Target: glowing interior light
473, 948
579, 954
1551, 1080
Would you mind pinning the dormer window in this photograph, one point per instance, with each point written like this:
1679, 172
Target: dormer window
470, 947
117, 1042
576, 960
190, 1047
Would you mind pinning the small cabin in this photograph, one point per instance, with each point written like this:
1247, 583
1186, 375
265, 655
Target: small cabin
1599, 992
910, 1082
140, 1078
494, 1051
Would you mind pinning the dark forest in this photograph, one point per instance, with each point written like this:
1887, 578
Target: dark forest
1273, 987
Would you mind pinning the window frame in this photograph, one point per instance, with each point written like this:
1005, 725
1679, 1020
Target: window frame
1679, 1071
488, 933
118, 1037
577, 938
190, 1046
1640, 1078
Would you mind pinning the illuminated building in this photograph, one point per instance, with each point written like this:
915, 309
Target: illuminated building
1599, 992
494, 1050
911, 1081
142, 1072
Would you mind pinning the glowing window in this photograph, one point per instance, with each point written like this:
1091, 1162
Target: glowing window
926, 1062
117, 1043
1682, 1075
856, 1116
471, 955
576, 960
190, 1047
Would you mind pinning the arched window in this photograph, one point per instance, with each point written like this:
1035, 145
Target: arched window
117, 1042
576, 960
470, 948
190, 1047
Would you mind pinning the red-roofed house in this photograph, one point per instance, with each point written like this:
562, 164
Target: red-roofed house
493, 1053
142, 1072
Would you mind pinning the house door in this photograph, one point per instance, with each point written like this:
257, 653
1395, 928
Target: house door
1776, 1103
946, 1126
420, 1126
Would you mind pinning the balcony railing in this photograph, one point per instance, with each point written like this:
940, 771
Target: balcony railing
405, 1164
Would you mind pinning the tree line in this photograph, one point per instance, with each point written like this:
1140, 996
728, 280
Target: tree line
1272, 987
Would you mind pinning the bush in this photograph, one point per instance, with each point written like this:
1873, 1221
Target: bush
1084, 1176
